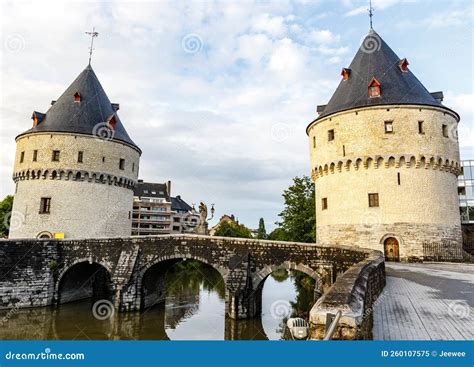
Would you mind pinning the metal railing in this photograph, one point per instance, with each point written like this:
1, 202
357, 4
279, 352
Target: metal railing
332, 326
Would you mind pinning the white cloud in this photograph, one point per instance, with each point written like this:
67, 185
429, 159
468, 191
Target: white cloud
376, 4
356, 11
463, 104
205, 120
272, 25
324, 36
287, 59
253, 47
448, 19
332, 51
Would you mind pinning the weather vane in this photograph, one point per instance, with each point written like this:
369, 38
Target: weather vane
93, 34
371, 12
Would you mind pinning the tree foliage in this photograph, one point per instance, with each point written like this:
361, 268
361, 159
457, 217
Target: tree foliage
233, 229
261, 232
5, 213
278, 234
298, 218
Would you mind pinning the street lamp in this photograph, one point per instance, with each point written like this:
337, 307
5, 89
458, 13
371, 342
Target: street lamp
212, 212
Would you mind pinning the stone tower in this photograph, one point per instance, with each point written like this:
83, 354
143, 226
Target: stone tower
385, 159
76, 168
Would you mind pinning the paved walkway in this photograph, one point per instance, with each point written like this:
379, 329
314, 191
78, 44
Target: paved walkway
430, 301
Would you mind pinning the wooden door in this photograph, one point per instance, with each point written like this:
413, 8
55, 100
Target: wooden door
391, 249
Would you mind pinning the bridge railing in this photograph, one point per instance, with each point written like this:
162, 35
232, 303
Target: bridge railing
353, 296
332, 326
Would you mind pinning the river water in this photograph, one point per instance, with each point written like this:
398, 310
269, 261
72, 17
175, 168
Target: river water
194, 310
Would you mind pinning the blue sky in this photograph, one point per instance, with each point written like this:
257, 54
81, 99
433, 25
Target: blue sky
218, 94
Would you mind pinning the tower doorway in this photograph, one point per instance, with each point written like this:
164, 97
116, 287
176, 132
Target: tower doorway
391, 249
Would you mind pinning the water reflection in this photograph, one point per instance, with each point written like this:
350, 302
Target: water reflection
194, 310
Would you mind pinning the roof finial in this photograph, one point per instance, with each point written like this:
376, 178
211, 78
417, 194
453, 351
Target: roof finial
93, 34
371, 13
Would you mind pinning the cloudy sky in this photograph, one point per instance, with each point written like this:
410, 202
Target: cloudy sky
218, 93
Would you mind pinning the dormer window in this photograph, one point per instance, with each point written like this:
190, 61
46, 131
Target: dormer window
403, 65
345, 73
111, 122
374, 88
77, 97
37, 117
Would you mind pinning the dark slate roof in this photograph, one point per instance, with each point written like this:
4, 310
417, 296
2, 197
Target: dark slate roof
151, 190
376, 58
68, 116
179, 205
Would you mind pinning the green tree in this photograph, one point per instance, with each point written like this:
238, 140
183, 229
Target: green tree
280, 275
261, 232
278, 234
298, 218
5, 213
233, 229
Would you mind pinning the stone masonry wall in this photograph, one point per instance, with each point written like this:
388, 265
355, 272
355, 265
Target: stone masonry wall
412, 238
32, 270
92, 198
27, 273
354, 294
413, 173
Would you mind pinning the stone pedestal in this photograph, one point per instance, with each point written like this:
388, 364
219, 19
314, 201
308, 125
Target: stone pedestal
203, 229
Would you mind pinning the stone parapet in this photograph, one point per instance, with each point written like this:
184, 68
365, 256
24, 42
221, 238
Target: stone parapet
354, 294
38, 272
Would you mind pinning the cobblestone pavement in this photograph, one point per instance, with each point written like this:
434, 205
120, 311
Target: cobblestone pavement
430, 301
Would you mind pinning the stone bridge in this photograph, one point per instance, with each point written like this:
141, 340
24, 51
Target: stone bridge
130, 272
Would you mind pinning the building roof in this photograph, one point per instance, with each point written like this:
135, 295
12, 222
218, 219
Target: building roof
179, 205
376, 59
151, 190
84, 117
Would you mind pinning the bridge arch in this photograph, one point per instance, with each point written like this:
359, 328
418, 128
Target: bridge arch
151, 278
177, 257
259, 278
81, 279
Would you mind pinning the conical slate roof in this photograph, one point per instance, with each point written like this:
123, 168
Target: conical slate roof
90, 116
376, 59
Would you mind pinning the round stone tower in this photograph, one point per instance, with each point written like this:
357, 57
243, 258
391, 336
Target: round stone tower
75, 169
385, 160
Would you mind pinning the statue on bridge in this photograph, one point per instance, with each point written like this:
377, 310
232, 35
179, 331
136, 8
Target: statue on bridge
203, 224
